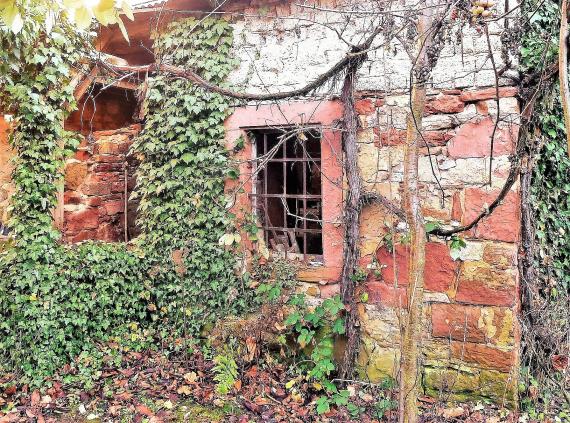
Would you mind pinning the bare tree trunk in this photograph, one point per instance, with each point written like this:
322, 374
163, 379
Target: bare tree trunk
563, 69
412, 331
351, 222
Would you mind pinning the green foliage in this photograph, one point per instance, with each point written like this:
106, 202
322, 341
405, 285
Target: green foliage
181, 179
225, 370
271, 279
57, 302
546, 334
315, 329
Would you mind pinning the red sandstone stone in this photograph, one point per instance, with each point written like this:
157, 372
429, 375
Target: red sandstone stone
365, 106
456, 209
487, 93
439, 268
82, 236
390, 137
329, 290
473, 291
98, 188
388, 295
82, 155
445, 104
473, 139
503, 224
109, 232
451, 92
83, 219
457, 322
108, 158
108, 167
114, 207
482, 108
437, 138
72, 197
483, 355
94, 201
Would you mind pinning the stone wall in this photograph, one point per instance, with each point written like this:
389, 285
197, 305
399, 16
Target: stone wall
282, 45
6, 186
94, 199
470, 338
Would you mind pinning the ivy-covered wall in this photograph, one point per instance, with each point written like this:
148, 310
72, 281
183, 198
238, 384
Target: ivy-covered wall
57, 300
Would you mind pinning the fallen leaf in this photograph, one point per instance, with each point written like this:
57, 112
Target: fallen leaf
184, 390
449, 413
190, 377
35, 400
168, 405
144, 410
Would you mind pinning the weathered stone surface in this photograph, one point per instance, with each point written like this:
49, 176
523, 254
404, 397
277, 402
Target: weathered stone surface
503, 224
377, 363
75, 174
386, 294
500, 255
457, 322
469, 384
487, 93
481, 283
439, 268
365, 106
473, 139
456, 207
82, 219
380, 323
445, 104
483, 356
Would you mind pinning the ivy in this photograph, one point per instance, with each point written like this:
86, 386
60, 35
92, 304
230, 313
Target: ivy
57, 302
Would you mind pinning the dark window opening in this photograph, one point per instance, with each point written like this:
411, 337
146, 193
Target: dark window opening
287, 194
102, 110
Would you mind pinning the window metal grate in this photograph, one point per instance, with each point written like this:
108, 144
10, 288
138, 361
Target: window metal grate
287, 194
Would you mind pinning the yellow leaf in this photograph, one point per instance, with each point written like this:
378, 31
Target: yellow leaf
83, 18
290, 384
168, 405
33, 297
127, 10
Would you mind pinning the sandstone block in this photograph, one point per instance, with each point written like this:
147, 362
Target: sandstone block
365, 106
82, 219
473, 139
445, 104
480, 283
483, 356
75, 174
503, 224
439, 267
487, 93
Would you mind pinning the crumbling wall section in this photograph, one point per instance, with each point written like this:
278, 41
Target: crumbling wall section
97, 180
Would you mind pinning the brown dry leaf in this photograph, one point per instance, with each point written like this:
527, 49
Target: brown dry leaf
35, 400
237, 385
10, 390
184, 390
190, 377
279, 326
559, 362
251, 348
143, 409
449, 413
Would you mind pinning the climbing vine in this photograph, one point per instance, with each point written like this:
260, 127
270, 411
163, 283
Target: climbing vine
57, 301
182, 212
546, 221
